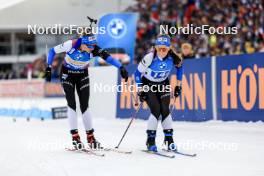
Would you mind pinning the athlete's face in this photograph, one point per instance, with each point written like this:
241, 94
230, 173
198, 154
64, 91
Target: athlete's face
162, 51
84, 47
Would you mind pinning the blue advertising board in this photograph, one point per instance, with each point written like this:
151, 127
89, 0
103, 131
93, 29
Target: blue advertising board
239, 90
240, 87
194, 104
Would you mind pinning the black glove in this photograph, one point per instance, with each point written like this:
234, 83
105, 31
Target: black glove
124, 73
142, 96
48, 74
177, 91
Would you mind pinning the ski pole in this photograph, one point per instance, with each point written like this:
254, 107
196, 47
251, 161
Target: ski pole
173, 107
132, 119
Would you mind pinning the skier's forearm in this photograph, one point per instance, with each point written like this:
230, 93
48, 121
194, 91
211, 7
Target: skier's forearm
51, 56
113, 61
179, 73
138, 80
106, 56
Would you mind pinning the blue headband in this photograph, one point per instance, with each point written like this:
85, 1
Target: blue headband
89, 41
163, 40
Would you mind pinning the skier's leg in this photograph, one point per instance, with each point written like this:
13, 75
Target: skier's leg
153, 103
68, 86
166, 121
69, 89
83, 90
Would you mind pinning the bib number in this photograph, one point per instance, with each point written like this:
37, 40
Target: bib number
161, 74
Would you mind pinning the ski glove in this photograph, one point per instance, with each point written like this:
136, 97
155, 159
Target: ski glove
124, 73
48, 74
177, 91
142, 96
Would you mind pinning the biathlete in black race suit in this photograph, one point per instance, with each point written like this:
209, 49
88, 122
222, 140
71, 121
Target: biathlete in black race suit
152, 78
74, 75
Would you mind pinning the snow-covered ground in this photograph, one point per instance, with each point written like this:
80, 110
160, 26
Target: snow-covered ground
223, 149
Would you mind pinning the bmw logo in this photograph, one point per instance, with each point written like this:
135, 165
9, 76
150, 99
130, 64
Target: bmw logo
117, 28
162, 65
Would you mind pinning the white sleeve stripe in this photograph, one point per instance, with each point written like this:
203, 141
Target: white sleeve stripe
145, 62
142, 68
142, 63
64, 47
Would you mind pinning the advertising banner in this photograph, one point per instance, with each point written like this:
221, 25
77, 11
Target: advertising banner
238, 90
194, 104
120, 33
240, 87
22, 88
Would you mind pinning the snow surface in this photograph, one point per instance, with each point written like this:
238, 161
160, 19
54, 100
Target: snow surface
37, 148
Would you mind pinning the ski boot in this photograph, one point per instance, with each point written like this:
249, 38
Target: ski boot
168, 140
92, 142
151, 144
76, 141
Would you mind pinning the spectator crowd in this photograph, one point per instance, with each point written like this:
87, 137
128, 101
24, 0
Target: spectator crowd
246, 15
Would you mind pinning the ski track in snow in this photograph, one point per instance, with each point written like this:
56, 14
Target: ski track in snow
37, 148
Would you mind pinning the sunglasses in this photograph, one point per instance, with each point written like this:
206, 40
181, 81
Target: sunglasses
162, 49
90, 46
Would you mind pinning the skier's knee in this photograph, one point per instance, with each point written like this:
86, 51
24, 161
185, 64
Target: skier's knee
165, 114
72, 105
156, 113
84, 107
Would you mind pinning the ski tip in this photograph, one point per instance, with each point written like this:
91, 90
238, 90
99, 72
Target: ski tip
180, 153
117, 150
159, 154
194, 155
190, 155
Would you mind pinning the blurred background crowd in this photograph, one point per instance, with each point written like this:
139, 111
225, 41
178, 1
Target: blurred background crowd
246, 15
